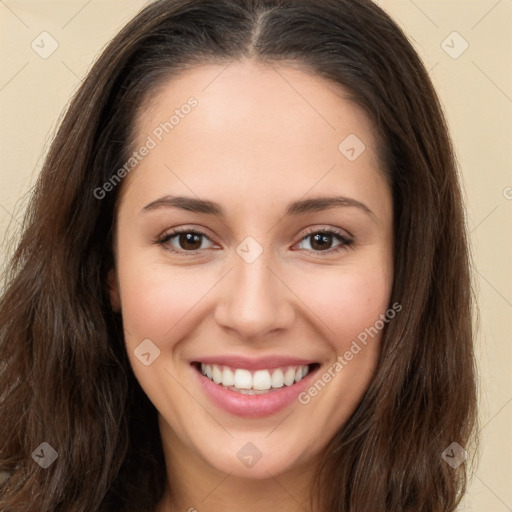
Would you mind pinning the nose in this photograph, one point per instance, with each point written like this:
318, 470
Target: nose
254, 299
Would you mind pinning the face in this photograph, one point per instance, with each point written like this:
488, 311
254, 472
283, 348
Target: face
264, 285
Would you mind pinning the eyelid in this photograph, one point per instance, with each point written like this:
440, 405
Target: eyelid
173, 232
327, 229
346, 241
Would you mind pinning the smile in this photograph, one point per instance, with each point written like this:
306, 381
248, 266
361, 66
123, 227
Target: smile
255, 393
256, 382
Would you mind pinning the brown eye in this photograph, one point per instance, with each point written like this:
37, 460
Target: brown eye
189, 241
185, 240
322, 240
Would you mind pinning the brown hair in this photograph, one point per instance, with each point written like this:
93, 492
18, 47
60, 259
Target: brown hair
64, 373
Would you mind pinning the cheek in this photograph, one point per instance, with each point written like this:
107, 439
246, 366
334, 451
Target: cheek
347, 301
155, 299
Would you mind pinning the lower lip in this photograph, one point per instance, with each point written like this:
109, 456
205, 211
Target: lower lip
254, 406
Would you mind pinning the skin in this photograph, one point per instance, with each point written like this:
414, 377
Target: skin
260, 137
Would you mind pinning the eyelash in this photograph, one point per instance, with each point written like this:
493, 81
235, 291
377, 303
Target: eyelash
345, 242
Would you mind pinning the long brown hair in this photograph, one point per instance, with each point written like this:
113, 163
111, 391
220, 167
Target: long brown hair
65, 378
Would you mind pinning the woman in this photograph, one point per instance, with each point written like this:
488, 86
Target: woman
177, 332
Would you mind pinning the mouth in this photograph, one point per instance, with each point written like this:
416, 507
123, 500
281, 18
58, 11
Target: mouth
254, 382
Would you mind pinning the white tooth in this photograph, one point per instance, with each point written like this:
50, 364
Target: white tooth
278, 378
261, 380
228, 377
255, 391
248, 392
243, 379
289, 376
216, 374
251, 391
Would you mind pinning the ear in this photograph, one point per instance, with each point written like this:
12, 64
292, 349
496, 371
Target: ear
113, 290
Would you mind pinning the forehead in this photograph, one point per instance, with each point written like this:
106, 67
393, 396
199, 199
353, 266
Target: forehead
267, 129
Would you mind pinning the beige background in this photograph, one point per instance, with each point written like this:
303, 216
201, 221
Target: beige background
475, 88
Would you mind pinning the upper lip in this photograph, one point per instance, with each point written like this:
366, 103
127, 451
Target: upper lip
253, 363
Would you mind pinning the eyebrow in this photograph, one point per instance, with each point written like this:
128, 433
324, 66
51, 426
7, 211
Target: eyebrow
316, 204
